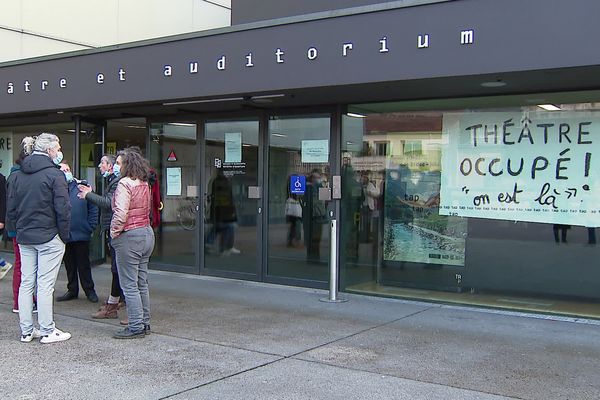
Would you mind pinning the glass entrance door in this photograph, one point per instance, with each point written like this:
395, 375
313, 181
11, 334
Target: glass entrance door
299, 166
232, 198
173, 155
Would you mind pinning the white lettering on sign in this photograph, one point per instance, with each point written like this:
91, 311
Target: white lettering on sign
279, 54
383, 45
466, 37
249, 60
221, 63
345, 48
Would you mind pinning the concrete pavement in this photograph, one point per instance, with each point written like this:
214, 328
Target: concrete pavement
223, 339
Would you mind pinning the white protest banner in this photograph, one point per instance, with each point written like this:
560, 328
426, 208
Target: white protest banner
522, 166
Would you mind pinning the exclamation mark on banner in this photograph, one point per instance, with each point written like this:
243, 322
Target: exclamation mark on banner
588, 160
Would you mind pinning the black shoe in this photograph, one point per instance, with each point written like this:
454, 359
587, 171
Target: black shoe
93, 297
67, 296
127, 334
147, 330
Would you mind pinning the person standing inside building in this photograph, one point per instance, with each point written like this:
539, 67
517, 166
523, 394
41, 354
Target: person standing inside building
314, 215
223, 213
84, 218
38, 202
111, 172
133, 240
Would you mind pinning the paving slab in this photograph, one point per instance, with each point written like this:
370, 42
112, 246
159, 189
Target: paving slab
92, 365
512, 356
299, 380
264, 318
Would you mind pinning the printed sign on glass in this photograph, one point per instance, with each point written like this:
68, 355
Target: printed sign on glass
297, 184
233, 147
315, 151
174, 181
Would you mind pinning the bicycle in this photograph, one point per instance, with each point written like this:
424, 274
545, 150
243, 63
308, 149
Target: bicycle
186, 214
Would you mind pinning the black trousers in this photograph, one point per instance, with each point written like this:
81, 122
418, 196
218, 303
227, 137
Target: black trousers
77, 262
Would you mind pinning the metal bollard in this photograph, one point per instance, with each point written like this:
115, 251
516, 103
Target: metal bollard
333, 267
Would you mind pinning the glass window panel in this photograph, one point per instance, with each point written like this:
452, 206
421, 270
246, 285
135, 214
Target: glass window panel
298, 244
173, 155
397, 242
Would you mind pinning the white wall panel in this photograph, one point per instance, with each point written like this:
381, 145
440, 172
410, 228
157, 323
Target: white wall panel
11, 46
34, 47
157, 18
208, 16
10, 13
91, 22
65, 25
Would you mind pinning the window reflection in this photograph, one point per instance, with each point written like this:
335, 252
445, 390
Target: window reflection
395, 242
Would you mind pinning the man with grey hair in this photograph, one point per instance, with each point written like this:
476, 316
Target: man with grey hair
38, 203
104, 203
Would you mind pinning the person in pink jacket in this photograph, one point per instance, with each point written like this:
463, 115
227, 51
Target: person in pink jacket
133, 240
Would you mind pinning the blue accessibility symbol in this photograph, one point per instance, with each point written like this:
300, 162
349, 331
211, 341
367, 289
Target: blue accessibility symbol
297, 184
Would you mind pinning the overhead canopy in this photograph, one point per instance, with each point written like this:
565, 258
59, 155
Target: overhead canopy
440, 49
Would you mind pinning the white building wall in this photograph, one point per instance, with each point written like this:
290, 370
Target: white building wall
32, 28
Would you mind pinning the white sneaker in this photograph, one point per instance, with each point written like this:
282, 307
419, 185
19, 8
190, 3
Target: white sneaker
233, 250
56, 336
15, 310
35, 334
4, 269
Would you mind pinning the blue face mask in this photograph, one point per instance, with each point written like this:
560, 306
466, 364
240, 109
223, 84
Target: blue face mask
106, 174
69, 177
117, 170
59, 157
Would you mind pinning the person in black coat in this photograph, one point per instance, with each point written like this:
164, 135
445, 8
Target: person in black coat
38, 203
84, 218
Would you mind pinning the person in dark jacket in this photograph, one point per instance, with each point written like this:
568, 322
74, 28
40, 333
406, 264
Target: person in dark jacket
38, 203
84, 218
106, 167
11, 232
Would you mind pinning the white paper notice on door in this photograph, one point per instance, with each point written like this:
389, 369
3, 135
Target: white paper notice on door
174, 181
233, 147
315, 151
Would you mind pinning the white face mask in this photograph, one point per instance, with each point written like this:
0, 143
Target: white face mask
59, 157
69, 177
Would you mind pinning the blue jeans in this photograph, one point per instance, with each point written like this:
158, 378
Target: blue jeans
41, 263
133, 249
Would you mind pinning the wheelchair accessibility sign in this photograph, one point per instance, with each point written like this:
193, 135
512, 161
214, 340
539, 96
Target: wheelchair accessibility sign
297, 184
